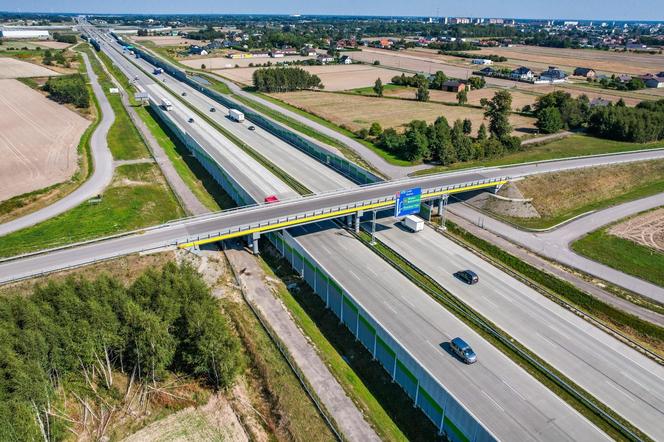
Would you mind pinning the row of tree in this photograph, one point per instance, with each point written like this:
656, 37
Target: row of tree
81, 332
65, 38
445, 144
285, 79
68, 89
559, 110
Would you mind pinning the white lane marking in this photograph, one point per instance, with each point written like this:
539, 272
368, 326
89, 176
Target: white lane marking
492, 400
354, 275
514, 390
615, 387
387, 304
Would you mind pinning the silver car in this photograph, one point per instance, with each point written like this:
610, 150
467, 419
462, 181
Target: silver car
463, 350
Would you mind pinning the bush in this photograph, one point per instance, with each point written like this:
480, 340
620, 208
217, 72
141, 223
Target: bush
64, 38
285, 79
549, 120
68, 89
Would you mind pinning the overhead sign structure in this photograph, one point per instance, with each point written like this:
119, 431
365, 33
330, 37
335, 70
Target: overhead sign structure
142, 96
408, 202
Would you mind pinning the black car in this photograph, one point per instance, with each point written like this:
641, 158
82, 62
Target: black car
191, 120
467, 276
252, 128
213, 109
184, 94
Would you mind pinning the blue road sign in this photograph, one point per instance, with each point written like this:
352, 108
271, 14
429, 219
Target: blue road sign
408, 202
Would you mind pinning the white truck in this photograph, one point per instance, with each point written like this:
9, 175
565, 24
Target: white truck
413, 223
235, 115
167, 105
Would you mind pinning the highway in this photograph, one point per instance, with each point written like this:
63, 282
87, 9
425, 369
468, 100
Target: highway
515, 407
508, 401
555, 244
291, 160
620, 377
102, 164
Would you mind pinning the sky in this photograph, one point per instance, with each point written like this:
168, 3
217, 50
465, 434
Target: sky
572, 9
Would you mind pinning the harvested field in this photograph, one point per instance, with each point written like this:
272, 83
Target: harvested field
38, 140
519, 99
229, 63
646, 229
603, 61
167, 40
13, 68
51, 44
356, 111
334, 77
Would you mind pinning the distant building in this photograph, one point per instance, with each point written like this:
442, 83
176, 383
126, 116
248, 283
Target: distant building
585, 72
483, 61
553, 75
308, 52
454, 86
345, 59
197, 50
17, 34
325, 59
624, 78
276, 54
655, 82
522, 73
488, 71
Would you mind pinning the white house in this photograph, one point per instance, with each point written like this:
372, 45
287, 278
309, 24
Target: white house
522, 73
346, 60
482, 61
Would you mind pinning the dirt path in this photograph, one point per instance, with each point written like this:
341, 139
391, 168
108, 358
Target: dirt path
332, 395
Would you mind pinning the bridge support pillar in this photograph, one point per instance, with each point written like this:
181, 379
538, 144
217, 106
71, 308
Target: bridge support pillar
358, 216
373, 227
442, 205
254, 243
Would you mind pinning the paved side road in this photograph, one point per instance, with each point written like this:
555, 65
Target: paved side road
555, 244
345, 413
102, 162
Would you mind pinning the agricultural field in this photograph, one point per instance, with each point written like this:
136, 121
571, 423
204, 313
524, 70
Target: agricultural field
334, 77
14, 68
166, 40
356, 111
519, 98
32, 45
221, 62
38, 139
537, 57
646, 229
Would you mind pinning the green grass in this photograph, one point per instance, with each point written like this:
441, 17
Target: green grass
138, 197
635, 193
622, 254
291, 406
369, 89
216, 85
123, 138
575, 145
384, 403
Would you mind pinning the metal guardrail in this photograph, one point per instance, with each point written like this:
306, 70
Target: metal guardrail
460, 308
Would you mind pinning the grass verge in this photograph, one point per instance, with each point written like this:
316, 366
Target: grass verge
557, 199
482, 326
622, 254
137, 197
572, 146
364, 380
290, 406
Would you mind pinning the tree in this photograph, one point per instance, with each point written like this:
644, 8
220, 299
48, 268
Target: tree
422, 93
462, 97
378, 87
481, 133
439, 139
376, 63
391, 140
416, 146
375, 130
438, 79
203, 66
549, 120
498, 110
461, 142
467, 126
476, 82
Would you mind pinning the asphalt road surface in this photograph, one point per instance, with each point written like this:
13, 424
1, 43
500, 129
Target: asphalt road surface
620, 377
102, 162
555, 244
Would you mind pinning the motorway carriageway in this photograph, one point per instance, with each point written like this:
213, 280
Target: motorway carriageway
512, 404
622, 378
615, 368
510, 412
